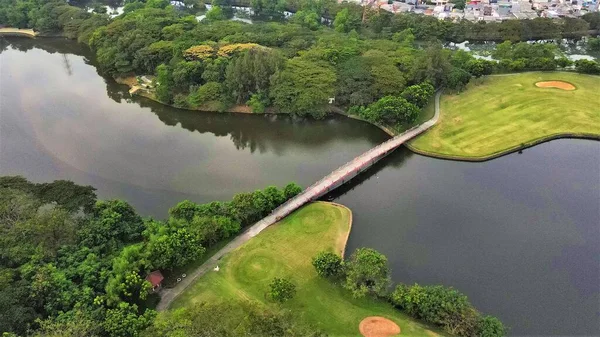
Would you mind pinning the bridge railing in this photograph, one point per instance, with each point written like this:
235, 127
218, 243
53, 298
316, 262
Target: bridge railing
366, 156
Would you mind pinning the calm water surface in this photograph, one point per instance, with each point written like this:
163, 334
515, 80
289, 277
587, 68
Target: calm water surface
61, 120
520, 235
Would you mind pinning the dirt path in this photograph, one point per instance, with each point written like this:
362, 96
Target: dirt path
318, 189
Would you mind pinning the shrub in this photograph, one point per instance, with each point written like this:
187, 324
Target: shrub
367, 272
419, 94
185, 210
587, 67
281, 289
490, 326
180, 101
564, 62
392, 110
291, 190
211, 91
328, 264
215, 14
258, 103
445, 307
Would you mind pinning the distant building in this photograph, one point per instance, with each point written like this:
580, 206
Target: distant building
155, 278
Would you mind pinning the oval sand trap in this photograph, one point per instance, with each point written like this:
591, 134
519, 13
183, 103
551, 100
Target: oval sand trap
555, 84
375, 326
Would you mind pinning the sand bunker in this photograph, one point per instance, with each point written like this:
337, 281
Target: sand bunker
555, 84
375, 326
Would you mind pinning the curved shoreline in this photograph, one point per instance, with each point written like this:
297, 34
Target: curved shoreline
391, 133
350, 220
504, 152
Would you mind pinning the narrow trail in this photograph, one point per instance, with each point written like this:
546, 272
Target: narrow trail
318, 189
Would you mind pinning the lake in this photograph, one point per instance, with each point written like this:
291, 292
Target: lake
520, 235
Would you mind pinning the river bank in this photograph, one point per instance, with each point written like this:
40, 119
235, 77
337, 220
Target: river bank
498, 115
426, 114
286, 250
135, 89
7, 31
523, 224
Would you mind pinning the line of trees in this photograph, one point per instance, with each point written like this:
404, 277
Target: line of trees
367, 273
293, 67
76, 265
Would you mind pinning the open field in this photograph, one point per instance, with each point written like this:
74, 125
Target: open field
285, 250
500, 114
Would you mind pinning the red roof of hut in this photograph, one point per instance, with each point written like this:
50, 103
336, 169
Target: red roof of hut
155, 278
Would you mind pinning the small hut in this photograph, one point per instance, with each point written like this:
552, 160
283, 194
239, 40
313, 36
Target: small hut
155, 278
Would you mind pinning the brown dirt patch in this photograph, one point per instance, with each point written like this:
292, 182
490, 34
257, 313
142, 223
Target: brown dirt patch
129, 80
241, 109
376, 326
555, 84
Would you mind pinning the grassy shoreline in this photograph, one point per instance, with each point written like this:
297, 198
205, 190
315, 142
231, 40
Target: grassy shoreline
285, 250
499, 115
503, 152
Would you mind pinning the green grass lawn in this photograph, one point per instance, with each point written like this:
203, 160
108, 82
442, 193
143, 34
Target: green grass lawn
498, 114
285, 250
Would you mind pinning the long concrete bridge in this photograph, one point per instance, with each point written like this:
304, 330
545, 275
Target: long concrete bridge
312, 193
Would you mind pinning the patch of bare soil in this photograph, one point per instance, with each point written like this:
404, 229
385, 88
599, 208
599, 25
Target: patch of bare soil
129, 80
376, 326
241, 109
555, 84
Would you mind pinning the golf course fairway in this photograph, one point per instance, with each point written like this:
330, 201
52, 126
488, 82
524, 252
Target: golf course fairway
285, 250
496, 115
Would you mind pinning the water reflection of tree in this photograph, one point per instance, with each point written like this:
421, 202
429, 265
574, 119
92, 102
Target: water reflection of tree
3, 44
263, 133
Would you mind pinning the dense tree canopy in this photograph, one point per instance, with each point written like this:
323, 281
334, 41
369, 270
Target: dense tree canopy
445, 307
74, 266
303, 87
367, 273
294, 65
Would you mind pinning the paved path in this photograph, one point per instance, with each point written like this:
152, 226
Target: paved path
318, 189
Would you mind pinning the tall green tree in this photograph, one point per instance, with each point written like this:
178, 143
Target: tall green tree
303, 87
164, 84
346, 21
250, 73
367, 273
391, 110
419, 94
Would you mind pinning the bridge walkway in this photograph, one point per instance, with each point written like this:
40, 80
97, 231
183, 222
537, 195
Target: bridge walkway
313, 192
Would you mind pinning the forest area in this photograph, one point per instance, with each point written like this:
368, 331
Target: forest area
379, 66
72, 265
